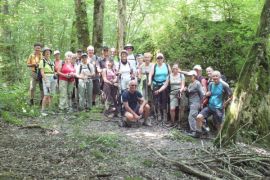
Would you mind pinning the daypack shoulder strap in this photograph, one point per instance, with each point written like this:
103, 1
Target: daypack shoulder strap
88, 67
80, 69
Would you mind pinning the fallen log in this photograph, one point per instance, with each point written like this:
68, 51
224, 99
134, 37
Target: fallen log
187, 169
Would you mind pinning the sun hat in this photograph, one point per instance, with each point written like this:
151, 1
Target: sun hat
192, 73
129, 46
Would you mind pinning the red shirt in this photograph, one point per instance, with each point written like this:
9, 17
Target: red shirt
67, 69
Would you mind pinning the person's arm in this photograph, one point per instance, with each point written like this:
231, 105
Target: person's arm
104, 76
128, 109
29, 62
151, 74
228, 91
204, 85
163, 87
183, 72
143, 103
140, 72
182, 84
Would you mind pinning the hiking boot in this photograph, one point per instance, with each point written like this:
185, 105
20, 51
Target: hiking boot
147, 122
196, 134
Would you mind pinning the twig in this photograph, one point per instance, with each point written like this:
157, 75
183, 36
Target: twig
227, 173
187, 169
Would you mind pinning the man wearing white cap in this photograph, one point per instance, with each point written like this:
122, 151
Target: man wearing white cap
200, 78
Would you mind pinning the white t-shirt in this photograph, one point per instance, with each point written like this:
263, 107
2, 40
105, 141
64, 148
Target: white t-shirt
132, 61
125, 70
85, 70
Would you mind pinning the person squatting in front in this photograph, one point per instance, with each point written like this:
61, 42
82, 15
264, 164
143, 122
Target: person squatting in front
85, 73
159, 79
216, 105
135, 106
49, 79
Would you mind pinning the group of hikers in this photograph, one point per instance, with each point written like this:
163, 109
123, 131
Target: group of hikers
131, 86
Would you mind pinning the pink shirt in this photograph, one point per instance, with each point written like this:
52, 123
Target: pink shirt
110, 74
67, 69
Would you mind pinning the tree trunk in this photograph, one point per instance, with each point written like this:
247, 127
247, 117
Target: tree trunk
82, 24
73, 39
98, 25
251, 101
122, 13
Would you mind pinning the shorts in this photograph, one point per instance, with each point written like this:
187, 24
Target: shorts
174, 101
96, 86
34, 81
136, 110
49, 86
217, 114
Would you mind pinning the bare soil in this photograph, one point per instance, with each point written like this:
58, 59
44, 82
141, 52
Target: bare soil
89, 146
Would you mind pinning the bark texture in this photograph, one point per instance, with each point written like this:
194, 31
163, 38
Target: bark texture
122, 13
98, 25
82, 24
250, 108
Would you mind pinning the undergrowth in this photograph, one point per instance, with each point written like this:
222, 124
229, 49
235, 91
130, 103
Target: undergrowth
13, 103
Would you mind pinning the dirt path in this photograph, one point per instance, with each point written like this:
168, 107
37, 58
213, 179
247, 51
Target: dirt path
85, 146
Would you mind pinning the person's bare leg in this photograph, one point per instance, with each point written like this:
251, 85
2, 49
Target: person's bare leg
172, 113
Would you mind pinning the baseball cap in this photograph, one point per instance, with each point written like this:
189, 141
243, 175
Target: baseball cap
160, 55
56, 52
192, 73
197, 67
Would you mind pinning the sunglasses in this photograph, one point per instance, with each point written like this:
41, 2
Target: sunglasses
133, 85
160, 58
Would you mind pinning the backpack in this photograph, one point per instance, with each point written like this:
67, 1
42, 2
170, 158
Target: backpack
81, 68
39, 76
153, 77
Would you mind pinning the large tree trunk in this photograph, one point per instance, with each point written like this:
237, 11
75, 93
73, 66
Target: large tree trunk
98, 25
250, 107
73, 39
122, 13
82, 24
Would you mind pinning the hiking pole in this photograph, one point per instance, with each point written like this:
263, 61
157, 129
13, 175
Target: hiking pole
146, 87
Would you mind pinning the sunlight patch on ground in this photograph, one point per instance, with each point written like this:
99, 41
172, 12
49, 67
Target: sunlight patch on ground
256, 149
146, 135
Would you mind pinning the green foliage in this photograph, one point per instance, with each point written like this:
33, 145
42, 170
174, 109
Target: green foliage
13, 102
178, 136
106, 140
133, 178
148, 163
8, 118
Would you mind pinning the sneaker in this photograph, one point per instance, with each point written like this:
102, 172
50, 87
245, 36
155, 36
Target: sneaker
196, 134
147, 122
43, 113
205, 128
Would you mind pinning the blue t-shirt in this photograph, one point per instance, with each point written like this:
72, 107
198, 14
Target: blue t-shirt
131, 98
161, 74
216, 98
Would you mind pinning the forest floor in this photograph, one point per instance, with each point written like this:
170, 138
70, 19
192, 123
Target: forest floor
90, 146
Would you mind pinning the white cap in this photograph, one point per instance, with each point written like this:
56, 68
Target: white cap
160, 55
192, 73
197, 67
56, 52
